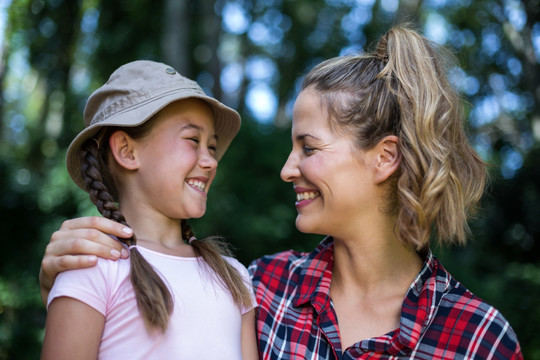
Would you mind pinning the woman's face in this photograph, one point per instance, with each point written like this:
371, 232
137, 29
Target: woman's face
333, 182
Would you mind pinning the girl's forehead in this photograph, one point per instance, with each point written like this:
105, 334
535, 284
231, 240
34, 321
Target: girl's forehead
190, 111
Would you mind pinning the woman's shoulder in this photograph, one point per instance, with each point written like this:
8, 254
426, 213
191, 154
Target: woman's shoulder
462, 304
292, 260
450, 316
286, 263
282, 260
460, 311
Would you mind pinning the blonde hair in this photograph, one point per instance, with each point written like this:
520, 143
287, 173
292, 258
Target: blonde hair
402, 89
154, 299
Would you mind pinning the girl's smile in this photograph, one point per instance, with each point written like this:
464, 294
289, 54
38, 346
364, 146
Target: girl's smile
198, 184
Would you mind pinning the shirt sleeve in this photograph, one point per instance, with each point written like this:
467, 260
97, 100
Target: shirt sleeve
86, 285
247, 280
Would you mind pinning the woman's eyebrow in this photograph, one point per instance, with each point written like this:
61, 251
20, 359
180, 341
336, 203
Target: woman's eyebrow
301, 137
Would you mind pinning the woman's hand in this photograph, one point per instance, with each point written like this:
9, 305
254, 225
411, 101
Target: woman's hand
77, 244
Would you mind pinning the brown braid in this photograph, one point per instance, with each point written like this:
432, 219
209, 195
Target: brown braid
154, 299
212, 250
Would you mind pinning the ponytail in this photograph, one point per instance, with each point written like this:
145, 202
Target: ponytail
401, 89
442, 177
154, 299
212, 250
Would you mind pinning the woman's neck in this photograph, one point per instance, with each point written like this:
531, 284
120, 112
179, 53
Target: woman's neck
372, 259
372, 274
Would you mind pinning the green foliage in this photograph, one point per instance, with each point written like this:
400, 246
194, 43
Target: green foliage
57, 51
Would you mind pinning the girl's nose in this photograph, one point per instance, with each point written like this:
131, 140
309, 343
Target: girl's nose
207, 161
290, 170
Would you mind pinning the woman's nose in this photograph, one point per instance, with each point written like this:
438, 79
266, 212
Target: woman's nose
290, 170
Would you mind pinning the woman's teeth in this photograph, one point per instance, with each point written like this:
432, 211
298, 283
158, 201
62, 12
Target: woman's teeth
306, 195
197, 184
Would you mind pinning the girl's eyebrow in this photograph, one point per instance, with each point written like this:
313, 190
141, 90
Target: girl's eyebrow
198, 128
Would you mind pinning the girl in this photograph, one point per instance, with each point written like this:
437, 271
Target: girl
147, 157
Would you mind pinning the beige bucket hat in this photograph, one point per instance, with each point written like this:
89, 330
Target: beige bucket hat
133, 94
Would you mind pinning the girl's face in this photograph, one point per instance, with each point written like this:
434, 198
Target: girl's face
331, 178
177, 161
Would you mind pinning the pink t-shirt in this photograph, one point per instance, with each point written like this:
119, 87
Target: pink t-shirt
205, 323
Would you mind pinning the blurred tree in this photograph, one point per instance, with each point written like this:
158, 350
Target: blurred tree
251, 54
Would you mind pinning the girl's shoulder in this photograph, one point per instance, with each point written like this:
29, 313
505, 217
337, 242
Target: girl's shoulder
104, 270
241, 268
94, 285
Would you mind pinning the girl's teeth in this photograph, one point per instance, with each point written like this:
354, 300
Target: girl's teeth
198, 184
306, 195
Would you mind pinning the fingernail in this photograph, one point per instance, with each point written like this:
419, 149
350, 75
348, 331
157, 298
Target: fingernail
91, 258
115, 253
125, 254
127, 231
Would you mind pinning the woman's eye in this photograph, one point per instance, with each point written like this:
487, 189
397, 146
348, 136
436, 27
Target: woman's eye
308, 150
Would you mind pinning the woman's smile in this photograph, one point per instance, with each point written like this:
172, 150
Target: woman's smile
305, 196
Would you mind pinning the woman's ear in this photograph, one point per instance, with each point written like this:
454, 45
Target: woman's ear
123, 149
388, 158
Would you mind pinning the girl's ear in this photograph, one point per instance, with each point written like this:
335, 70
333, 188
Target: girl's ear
123, 149
388, 158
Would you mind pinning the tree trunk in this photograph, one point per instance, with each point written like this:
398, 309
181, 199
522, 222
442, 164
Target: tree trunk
176, 34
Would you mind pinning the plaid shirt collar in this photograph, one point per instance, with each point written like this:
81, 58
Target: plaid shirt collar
419, 306
316, 276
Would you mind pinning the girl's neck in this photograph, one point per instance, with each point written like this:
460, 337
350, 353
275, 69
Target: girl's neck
158, 233
181, 249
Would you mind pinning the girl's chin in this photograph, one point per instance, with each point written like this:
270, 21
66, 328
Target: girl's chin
198, 214
194, 214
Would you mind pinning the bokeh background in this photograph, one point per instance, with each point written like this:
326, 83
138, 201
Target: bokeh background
251, 55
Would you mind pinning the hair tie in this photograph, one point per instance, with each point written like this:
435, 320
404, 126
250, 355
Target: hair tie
132, 246
382, 49
192, 239
96, 141
382, 57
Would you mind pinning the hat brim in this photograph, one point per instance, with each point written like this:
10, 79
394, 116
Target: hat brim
226, 124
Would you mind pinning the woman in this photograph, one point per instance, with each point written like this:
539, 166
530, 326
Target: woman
380, 164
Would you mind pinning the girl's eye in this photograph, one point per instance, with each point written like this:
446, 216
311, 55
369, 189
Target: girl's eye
211, 148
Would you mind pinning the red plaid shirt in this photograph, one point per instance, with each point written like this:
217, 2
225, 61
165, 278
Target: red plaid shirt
440, 318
